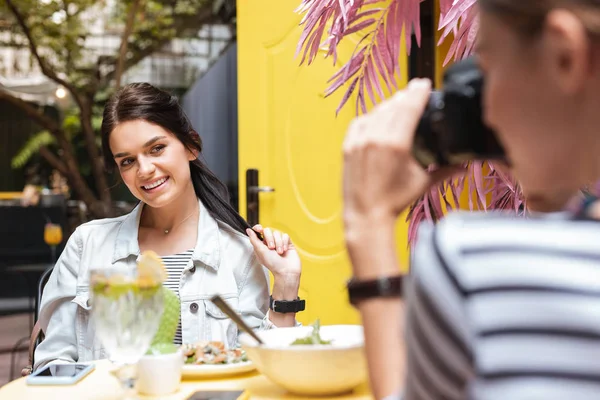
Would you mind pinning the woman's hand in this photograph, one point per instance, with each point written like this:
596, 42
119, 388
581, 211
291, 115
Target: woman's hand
381, 177
278, 254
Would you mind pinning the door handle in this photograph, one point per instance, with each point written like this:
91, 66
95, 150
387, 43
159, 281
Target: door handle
260, 189
252, 198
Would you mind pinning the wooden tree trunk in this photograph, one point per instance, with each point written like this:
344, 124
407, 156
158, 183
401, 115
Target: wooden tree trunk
93, 152
99, 208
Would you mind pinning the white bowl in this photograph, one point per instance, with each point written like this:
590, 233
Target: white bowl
159, 375
315, 370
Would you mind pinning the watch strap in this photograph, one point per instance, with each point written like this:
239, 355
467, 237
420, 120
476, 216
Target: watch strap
386, 286
287, 306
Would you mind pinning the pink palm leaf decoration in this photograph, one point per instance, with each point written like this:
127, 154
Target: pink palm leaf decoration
376, 59
460, 19
376, 55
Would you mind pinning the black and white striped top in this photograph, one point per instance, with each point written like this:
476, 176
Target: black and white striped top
501, 308
175, 264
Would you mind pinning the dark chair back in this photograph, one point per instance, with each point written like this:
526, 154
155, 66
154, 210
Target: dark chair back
41, 284
38, 335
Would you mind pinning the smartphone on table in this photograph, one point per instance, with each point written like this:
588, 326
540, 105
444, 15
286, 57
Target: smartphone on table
60, 374
219, 395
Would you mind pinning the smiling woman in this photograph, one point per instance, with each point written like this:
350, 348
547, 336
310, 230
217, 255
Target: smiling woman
146, 128
184, 215
159, 175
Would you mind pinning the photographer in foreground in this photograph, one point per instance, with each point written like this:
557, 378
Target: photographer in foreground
495, 307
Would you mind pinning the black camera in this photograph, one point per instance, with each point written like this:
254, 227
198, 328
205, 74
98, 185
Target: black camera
451, 130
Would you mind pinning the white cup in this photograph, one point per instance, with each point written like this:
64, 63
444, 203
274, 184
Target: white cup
159, 375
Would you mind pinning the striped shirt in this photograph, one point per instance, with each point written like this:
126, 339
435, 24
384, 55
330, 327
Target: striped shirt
504, 308
175, 264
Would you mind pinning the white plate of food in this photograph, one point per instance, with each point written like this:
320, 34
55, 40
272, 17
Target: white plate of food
209, 359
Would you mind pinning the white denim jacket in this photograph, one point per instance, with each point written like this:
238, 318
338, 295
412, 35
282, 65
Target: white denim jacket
223, 263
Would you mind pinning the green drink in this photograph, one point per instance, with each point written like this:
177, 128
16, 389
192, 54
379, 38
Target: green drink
127, 305
125, 313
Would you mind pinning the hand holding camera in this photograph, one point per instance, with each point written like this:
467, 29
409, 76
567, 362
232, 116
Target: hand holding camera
381, 176
388, 150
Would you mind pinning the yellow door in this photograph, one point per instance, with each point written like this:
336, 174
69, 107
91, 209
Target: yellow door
289, 132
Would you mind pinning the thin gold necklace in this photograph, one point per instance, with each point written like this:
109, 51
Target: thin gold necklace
176, 225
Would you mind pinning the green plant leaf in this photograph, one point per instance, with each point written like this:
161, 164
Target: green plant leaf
97, 122
33, 145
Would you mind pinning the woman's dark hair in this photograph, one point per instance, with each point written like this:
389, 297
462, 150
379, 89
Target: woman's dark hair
142, 101
528, 16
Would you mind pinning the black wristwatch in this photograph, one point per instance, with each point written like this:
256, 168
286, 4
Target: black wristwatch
287, 306
386, 286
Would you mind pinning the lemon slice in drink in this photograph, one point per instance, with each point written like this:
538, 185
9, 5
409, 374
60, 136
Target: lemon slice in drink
151, 269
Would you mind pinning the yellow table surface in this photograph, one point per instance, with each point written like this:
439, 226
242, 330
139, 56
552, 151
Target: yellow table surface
102, 385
